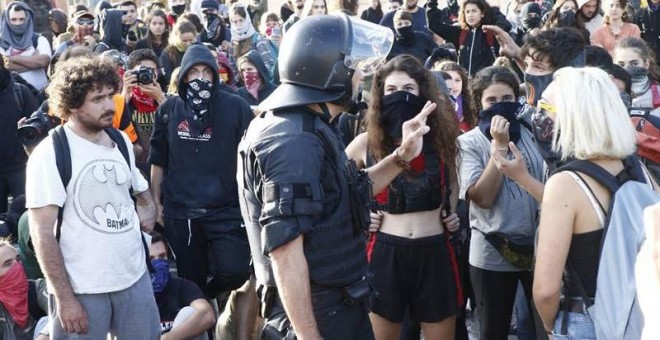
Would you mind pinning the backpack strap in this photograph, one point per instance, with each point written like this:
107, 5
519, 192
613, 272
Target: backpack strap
63, 162
18, 96
594, 171
598, 207
119, 140
490, 40
35, 40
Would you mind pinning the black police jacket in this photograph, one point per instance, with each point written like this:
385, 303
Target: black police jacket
291, 181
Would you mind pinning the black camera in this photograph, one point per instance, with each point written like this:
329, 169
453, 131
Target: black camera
131, 36
144, 75
36, 128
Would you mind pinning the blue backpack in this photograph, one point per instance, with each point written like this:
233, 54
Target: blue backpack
615, 310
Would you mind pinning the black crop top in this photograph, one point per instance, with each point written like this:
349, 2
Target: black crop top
584, 255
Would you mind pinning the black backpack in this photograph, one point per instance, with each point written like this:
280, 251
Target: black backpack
63, 162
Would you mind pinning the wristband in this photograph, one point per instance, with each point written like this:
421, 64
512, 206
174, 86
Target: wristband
400, 162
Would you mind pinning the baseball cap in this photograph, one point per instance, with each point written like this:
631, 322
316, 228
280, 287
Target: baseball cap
83, 14
210, 4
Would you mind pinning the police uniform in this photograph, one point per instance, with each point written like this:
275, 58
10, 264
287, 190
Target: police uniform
294, 184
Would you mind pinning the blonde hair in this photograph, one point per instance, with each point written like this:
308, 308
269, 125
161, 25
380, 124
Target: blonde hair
592, 121
173, 86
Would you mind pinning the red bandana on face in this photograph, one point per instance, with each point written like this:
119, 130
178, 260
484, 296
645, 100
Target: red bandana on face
252, 83
142, 102
14, 293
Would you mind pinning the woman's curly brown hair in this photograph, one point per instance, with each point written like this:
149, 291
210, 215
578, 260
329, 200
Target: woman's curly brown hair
75, 78
442, 121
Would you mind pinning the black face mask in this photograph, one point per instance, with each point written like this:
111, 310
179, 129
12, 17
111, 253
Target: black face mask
567, 19
396, 108
405, 34
535, 86
178, 9
543, 128
531, 23
211, 23
508, 110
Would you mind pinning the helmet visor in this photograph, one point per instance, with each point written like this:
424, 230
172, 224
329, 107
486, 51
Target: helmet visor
370, 46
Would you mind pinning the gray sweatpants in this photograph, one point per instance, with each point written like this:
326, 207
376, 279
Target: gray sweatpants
127, 314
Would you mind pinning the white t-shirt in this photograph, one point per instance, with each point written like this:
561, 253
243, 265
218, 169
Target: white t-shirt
36, 77
100, 237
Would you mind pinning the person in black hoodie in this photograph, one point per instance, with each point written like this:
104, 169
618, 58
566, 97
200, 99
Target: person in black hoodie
111, 32
408, 41
16, 102
476, 48
255, 77
193, 157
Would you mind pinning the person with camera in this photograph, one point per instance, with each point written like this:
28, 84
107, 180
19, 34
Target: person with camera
143, 95
132, 28
96, 269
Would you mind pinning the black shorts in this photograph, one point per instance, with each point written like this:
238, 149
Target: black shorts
413, 274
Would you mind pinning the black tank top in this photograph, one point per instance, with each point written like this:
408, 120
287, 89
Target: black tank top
584, 255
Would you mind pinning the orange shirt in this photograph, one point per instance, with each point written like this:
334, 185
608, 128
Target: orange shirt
604, 38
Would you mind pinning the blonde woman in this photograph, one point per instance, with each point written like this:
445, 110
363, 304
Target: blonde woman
584, 105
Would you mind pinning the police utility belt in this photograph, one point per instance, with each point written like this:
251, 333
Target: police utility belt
351, 295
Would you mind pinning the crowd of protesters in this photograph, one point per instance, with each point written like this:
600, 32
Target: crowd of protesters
520, 89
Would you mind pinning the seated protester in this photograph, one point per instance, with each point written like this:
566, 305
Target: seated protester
22, 302
255, 76
157, 32
111, 32
143, 95
530, 22
132, 28
408, 41
194, 18
25, 51
83, 34
183, 35
635, 56
245, 38
215, 31
184, 312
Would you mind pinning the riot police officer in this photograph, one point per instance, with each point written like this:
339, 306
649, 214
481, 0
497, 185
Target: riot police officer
304, 230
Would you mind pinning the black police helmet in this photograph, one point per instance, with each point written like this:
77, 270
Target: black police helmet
311, 62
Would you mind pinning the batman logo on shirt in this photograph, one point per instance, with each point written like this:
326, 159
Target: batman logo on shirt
101, 196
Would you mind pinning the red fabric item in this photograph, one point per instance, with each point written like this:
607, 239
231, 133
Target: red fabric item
454, 269
14, 293
417, 165
252, 83
142, 102
370, 245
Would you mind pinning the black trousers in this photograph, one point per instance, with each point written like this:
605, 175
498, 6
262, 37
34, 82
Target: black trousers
495, 293
335, 320
215, 254
11, 183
